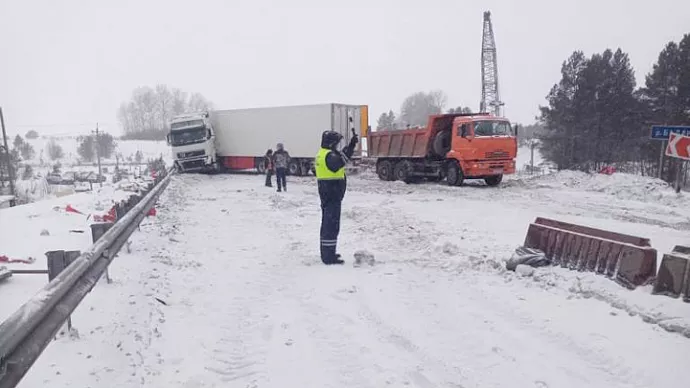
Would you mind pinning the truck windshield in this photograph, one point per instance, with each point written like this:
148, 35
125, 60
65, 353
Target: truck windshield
492, 128
188, 136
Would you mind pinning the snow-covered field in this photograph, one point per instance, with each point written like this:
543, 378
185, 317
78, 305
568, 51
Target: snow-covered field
126, 148
243, 301
37, 189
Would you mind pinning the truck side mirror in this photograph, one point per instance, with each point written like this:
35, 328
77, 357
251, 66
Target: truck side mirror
463, 130
516, 130
208, 134
167, 138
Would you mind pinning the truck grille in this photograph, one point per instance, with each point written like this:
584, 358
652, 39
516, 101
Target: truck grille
500, 154
190, 154
193, 164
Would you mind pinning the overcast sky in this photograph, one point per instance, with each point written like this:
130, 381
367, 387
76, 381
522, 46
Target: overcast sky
67, 64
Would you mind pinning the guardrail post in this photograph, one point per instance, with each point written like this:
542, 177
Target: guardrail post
57, 262
98, 230
120, 209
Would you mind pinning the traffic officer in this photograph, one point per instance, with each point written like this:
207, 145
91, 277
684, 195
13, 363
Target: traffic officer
330, 174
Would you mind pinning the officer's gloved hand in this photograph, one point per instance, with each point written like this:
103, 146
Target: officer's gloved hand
354, 140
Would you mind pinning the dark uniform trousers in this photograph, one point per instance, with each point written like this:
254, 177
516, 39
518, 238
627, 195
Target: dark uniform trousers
331, 193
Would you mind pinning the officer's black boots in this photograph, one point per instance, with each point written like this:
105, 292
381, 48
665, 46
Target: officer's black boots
329, 257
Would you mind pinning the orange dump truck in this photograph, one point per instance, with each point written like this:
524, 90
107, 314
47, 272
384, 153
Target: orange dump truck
454, 147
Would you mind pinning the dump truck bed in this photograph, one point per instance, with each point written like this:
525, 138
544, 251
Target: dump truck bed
409, 143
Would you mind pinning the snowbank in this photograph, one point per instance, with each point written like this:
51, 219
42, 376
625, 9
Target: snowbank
621, 185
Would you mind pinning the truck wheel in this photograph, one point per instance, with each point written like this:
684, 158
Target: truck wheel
294, 168
441, 144
493, 180
215, 167
384, 169
454, 174
304, 167
402, 172
260, 165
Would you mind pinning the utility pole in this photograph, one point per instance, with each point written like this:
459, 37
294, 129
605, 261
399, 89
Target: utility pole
533, 144
9, 161
98, 156
661, 158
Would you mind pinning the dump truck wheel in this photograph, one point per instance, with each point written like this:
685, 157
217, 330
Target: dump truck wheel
441, 144
493, 180
294, 168
454, 174
402, 172
384, 170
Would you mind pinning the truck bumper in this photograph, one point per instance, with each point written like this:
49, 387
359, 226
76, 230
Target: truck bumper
485, 168
193, 164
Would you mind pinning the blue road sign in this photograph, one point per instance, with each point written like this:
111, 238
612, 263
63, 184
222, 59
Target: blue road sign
662, 132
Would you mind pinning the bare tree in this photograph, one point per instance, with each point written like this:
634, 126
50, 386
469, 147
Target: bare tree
147, 114
55, 150
417, 107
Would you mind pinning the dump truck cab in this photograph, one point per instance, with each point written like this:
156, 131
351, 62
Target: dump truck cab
453, 146
483, 146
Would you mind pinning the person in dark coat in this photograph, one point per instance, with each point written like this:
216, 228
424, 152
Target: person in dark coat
281, 160
268, 162
330, 174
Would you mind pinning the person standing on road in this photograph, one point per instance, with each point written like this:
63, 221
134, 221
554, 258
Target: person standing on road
268, 162
281, 159
330, 175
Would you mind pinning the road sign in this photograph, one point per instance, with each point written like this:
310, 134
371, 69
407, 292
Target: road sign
678, 146
662, 132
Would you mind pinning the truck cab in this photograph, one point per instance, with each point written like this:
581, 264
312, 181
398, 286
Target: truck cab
483, 147
192, 140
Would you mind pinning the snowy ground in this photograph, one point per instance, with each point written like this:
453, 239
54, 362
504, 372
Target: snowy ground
244, 301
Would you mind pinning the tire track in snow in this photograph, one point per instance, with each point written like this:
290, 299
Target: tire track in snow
268, 312
230, 297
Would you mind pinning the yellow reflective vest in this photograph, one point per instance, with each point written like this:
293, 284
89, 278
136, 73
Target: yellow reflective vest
322, 171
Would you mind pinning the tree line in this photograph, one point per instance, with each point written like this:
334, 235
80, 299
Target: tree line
416, 109
597, 116
146, 116
23, 151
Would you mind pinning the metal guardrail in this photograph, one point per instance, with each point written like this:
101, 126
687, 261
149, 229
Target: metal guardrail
27, 332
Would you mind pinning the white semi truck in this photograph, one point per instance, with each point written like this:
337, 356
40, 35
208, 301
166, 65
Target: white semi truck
237, 139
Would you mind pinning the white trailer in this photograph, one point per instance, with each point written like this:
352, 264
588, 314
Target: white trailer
237, 139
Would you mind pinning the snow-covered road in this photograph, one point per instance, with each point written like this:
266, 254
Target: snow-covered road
224, 289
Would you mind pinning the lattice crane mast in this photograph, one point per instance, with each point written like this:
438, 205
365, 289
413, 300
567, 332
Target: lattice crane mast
491, 100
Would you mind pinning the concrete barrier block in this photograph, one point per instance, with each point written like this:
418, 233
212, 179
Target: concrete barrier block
673, 278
